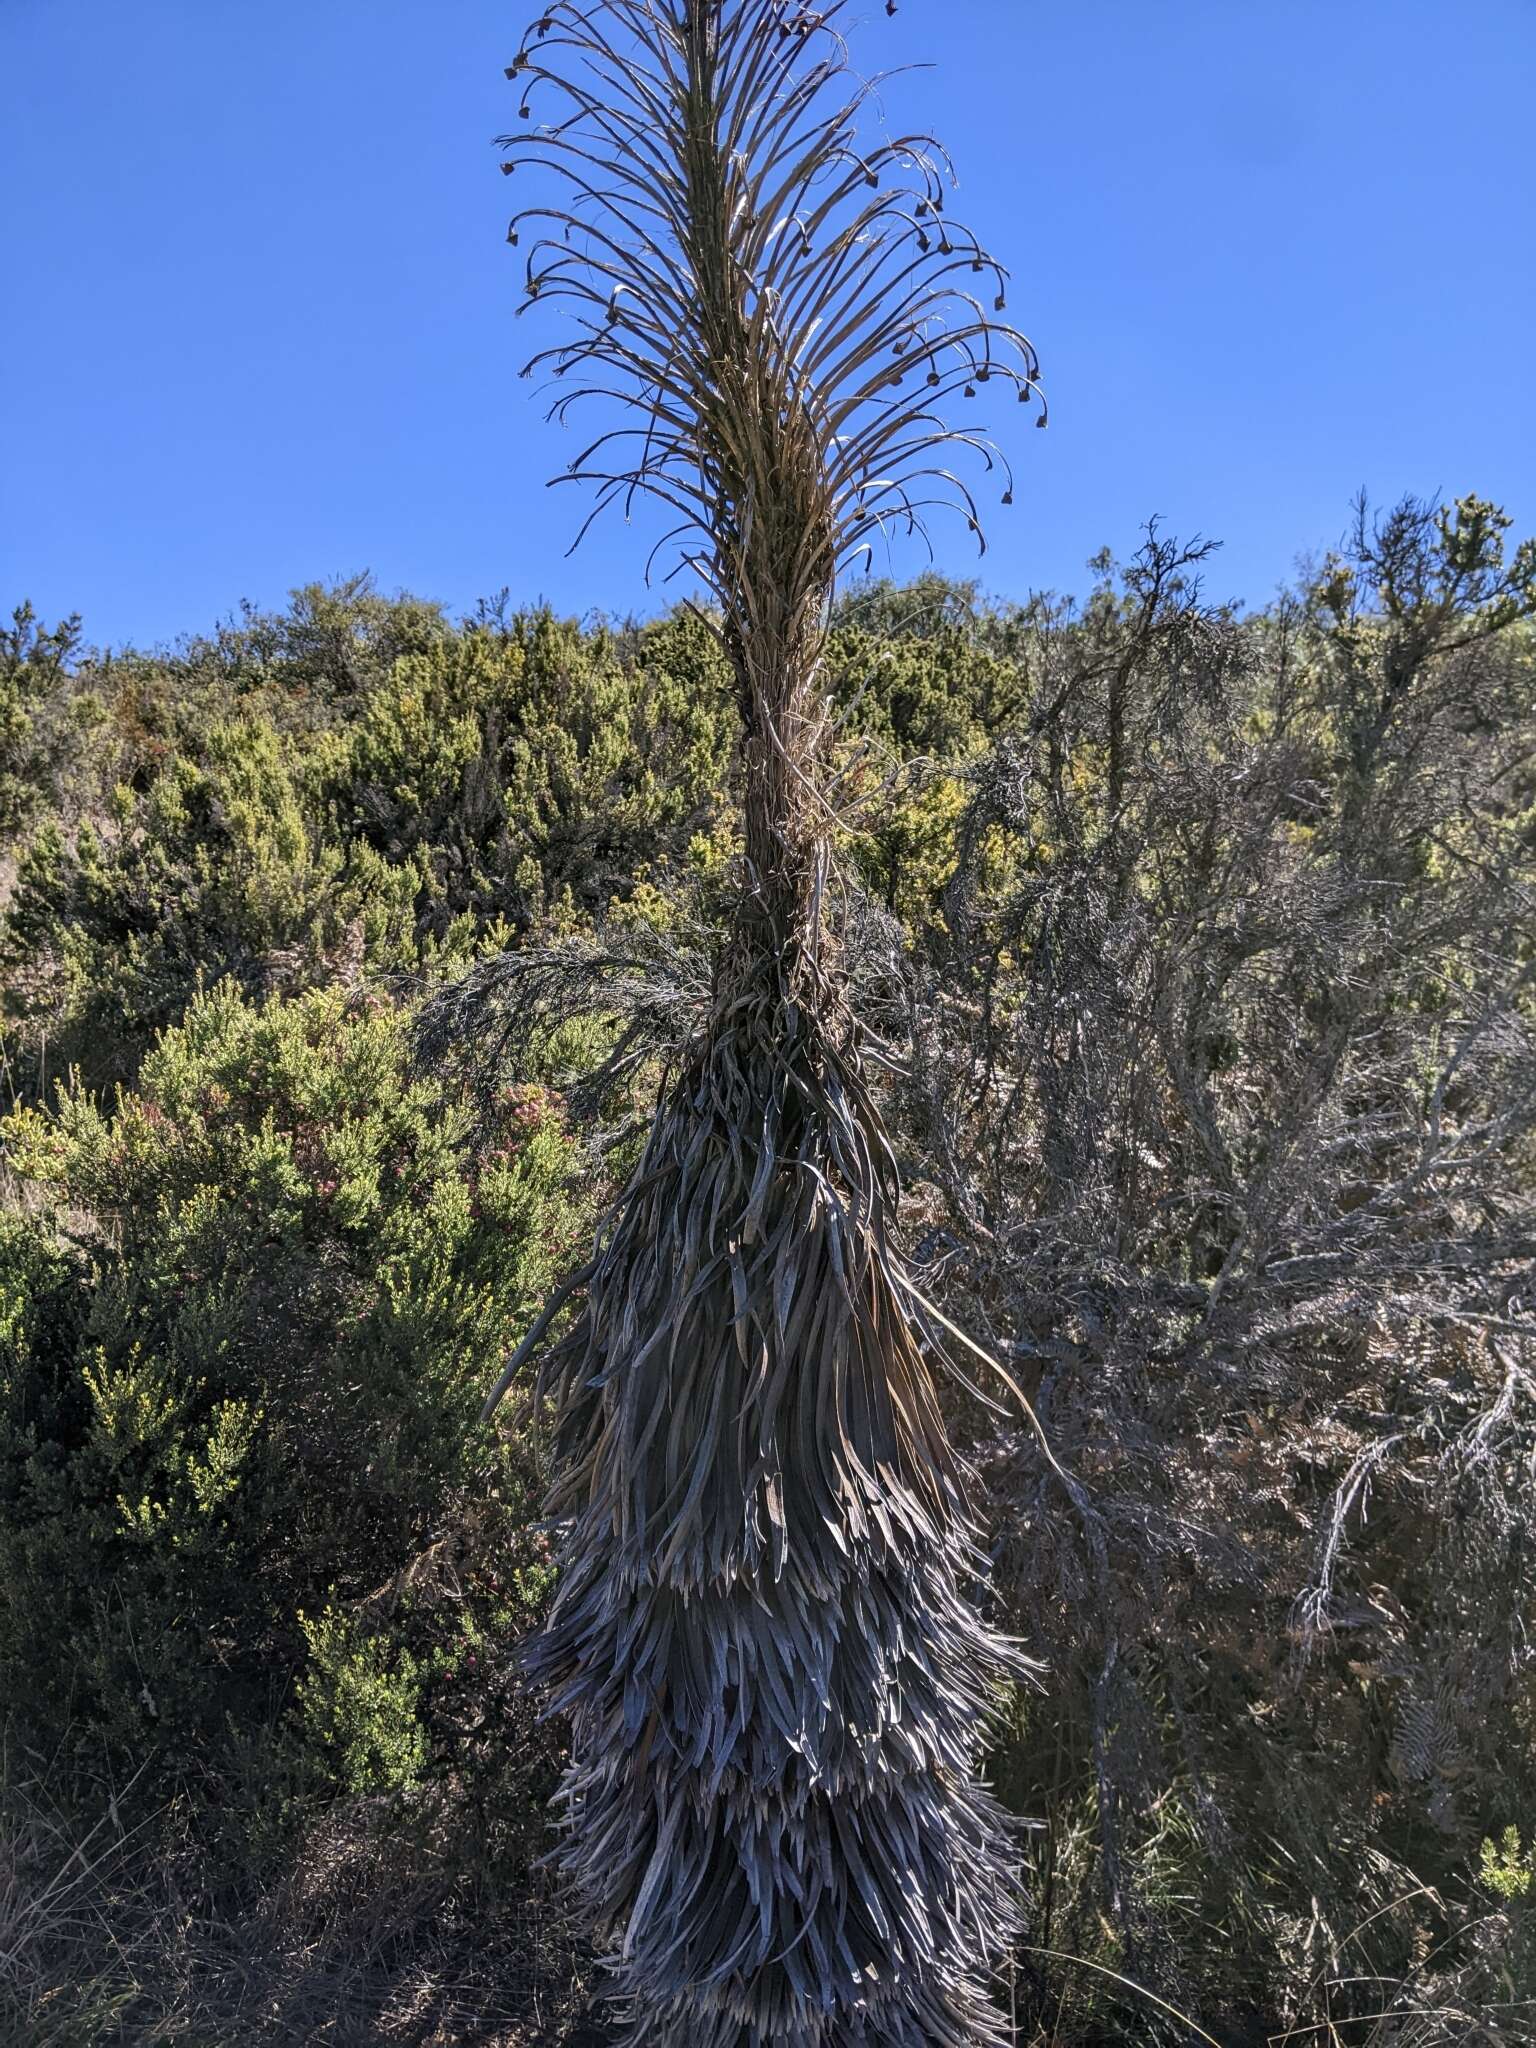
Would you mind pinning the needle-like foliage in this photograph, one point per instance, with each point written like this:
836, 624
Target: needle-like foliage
766, 1636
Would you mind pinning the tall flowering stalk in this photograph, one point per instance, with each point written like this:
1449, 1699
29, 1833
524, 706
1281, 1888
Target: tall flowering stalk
766, 1636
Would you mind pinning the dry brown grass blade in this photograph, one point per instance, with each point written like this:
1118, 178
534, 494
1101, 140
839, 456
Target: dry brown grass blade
1128, 1984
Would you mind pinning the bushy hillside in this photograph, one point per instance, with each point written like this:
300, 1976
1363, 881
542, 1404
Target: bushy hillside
342, 950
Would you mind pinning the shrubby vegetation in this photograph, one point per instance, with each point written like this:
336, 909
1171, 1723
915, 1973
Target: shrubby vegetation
341, 953
252, 1391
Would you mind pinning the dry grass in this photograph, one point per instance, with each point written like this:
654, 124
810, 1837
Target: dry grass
110, 1940
109, 1936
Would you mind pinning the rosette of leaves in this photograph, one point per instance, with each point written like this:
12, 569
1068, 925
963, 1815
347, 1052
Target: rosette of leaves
766, 1637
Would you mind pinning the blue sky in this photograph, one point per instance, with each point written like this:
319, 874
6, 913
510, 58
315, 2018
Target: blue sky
258, 322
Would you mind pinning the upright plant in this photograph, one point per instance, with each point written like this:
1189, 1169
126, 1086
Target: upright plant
766, 1637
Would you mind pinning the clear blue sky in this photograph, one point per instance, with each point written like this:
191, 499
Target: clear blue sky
258, 307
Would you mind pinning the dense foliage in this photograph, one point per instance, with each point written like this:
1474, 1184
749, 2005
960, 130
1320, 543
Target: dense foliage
341, 949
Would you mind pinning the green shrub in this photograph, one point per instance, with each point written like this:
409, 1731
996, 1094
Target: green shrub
1506, 1868
361, 1706
35, 664
215, 870
244, 1334
352, 784
533, 764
